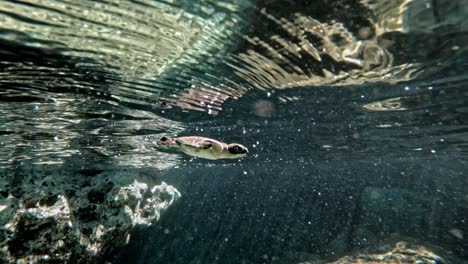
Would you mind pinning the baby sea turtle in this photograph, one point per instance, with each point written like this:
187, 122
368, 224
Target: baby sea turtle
206, 148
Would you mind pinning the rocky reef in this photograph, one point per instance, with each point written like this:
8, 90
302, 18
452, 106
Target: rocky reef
56, 217
395, 253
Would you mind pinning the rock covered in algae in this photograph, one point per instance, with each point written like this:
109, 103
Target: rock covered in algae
36, 230
398, 253
84, 226
402, 252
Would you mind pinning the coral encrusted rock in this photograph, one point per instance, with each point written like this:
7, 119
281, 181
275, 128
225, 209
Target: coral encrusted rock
81, 226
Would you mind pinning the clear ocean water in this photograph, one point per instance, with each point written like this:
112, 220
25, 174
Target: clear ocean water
355, 113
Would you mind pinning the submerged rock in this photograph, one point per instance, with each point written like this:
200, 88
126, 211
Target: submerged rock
84, 226
395, 253
140, 205
38, 230
402, 252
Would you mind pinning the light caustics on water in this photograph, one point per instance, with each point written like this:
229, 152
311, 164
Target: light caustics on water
303, 51
132, 42
165, 54
64, 129
333, 55
189, 55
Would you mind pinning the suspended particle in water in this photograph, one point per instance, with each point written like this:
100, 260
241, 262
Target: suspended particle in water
264, 108
456, 233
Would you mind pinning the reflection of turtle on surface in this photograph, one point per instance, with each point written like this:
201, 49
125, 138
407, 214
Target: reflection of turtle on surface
206, 148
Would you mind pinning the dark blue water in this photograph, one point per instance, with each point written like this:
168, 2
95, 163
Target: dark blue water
307, 191
355, 112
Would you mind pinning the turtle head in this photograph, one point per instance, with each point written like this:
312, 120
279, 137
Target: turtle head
165, 141
237, 150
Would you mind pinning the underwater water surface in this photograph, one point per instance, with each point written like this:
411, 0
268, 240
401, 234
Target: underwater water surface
355, 114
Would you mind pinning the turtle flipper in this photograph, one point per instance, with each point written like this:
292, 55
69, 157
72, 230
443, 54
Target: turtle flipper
189, 147
216, 147
205, 144
198, 145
